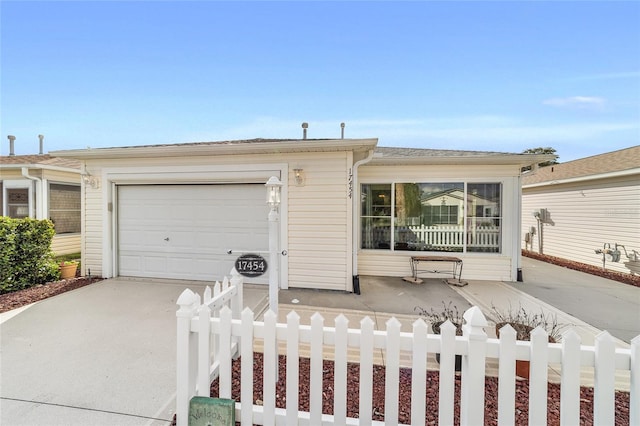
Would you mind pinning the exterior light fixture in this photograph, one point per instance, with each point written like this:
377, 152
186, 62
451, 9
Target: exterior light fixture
298, 176
273, 192
90, 180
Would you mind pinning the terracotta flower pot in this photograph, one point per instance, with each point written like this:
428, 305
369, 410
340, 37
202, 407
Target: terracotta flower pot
523, 332
68, 271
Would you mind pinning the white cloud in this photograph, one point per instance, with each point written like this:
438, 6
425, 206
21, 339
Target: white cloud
585, 102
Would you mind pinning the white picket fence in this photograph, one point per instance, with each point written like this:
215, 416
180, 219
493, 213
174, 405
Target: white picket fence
219, 320
453, 235
421, 237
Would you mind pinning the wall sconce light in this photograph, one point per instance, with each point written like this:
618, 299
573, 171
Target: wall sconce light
298, 176
90, 180
273, 192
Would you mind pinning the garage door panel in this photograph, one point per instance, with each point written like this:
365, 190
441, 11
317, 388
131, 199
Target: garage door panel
201, 223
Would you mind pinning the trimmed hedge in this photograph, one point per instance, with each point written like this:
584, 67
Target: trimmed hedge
25, 253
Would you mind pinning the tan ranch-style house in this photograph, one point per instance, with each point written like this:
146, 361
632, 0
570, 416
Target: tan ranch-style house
44, 187
348, 208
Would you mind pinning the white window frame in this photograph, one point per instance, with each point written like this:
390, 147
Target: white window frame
504, 202
79, 186
18, 184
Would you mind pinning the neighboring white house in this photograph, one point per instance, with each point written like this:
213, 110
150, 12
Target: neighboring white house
174, 211
572, 209
44, 187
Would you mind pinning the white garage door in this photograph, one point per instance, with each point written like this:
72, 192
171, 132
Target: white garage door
184, 231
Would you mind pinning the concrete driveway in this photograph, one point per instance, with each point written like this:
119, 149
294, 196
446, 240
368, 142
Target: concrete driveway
104, 354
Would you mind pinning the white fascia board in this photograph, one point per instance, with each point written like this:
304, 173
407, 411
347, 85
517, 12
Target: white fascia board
177, 150
520, 160
621, 173
39, 166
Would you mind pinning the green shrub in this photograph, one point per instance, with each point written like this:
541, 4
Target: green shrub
25, 253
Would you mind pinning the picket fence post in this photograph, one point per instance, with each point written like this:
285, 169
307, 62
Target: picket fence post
270, 367
418, 373
392, 373
473, 368
340, 370
315, 367
224, 351
538, 376
446, 391
186, 356
246, 361
293, 366
204, 348
366, 370
570, 379
507, 376
237, 302
604, 380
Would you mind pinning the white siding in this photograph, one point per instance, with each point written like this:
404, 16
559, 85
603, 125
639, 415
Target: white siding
583, 216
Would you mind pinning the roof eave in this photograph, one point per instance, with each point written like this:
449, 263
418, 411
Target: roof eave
616, 174
521, 160
278, 147
40, 166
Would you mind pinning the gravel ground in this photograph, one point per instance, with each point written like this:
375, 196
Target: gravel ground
491, 392
583, 267
16, 299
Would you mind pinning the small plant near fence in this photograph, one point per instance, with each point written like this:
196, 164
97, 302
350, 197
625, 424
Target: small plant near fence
436, 318
524, 322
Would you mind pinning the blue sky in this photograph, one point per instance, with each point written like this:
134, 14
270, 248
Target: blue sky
494, 76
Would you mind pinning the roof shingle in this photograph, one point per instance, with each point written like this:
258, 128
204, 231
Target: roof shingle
616, 161
42, 159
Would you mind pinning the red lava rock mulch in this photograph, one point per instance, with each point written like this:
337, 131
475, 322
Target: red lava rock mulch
404, 408
583, 267
16, 299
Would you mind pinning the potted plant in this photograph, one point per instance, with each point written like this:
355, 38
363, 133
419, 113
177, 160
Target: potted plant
524, 322
437, 318
68, 269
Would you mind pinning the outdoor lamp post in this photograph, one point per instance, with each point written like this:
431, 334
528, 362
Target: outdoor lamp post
273, 199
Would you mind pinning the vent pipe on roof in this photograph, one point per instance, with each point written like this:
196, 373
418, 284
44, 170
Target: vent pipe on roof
304, 130
11, 140
41, 137
341, 130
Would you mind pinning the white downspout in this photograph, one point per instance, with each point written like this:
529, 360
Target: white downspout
38, 192
355, 229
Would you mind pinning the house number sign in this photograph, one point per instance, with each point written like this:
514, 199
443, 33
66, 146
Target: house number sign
251, 265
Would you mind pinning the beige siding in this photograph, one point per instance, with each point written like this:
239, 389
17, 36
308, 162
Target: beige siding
66, 244
583, 216
319, 216
11, 174
60, 176
477, 267
318, 213
92, 216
